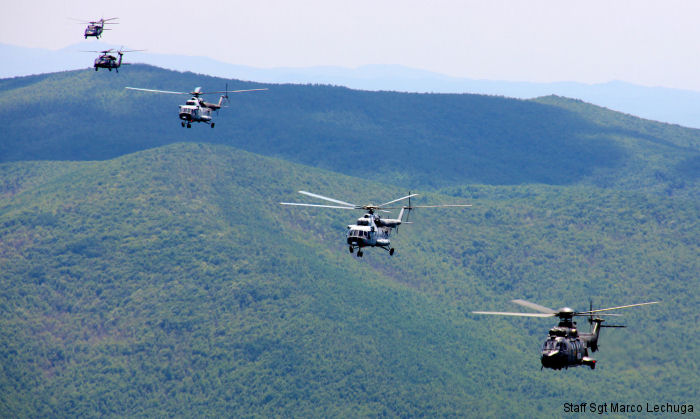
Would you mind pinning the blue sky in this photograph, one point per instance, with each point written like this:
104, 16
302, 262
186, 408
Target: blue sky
653, 43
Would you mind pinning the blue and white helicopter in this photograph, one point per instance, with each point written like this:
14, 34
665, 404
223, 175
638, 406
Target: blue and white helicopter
196, 109
371, 230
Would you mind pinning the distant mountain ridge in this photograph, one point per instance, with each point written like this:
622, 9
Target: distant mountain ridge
656, 103
417, 140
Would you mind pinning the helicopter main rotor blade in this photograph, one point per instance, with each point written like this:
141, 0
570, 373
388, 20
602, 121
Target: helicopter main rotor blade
380, 209
584, 313
157, 91
325, 198
397, 200
440, 206
536, 307
507, 313
316, 205
230, 91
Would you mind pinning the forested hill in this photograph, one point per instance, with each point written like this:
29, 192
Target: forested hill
170, 282
412, 140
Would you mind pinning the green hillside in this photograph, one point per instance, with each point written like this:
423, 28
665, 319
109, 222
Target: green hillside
170, 282
413, 140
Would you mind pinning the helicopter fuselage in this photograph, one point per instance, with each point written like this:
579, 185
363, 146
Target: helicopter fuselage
371, 231
565, 347
108, 61
94, 30
197, 110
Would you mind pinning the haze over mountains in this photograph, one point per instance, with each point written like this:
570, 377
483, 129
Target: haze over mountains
149, 270
656, 103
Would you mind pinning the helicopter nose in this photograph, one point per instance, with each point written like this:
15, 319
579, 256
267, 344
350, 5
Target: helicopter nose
551, 359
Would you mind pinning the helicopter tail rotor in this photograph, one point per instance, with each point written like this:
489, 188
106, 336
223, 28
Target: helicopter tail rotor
223, 100
405, 210
409, 208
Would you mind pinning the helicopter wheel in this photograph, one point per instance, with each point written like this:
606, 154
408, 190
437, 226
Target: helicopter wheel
189, 125
212, 124
359, 253
391, 251
183, 124
95, 68
351, 249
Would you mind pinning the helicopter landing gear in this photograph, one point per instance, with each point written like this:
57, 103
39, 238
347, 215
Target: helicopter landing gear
183, 124
391, 251
359, 253
351, 249
212, 124
95, 68
189, 125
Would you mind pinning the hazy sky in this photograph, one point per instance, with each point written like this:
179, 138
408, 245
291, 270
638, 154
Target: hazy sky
654, 43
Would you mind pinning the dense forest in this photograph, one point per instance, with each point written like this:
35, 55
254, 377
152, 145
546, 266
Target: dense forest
149, 270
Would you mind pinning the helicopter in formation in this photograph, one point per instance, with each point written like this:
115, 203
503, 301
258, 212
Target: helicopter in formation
196, 109
371, 230
565, 347
95, 28
109, 61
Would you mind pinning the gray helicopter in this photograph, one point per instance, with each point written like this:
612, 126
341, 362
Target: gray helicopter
371, 230
196, 109
565, 347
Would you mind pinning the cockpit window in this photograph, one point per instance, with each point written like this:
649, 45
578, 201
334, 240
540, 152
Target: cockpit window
359, 233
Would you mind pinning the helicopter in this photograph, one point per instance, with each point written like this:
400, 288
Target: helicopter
95, 28
196, 109
371, 230
565, 347
109, 61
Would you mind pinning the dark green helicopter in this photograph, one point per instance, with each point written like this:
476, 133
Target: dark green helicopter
565, 347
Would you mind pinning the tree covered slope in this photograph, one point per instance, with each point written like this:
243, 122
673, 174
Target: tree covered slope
171, 282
